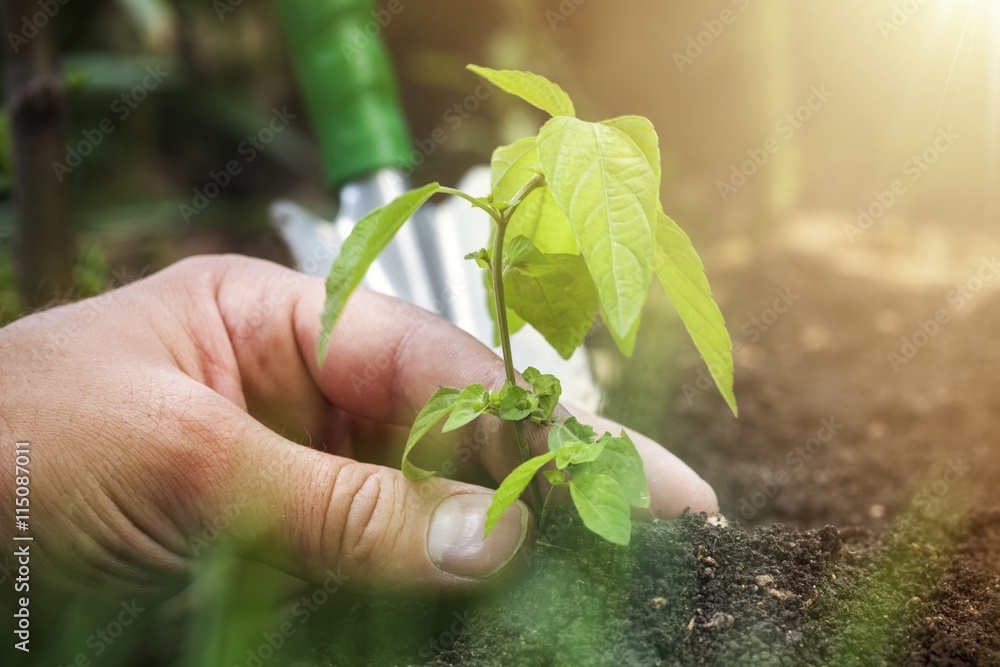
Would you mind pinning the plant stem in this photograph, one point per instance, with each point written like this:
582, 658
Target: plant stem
497, 217
496, 271
546, 510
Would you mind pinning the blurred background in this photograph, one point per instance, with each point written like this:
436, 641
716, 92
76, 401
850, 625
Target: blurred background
836, 163
718, 79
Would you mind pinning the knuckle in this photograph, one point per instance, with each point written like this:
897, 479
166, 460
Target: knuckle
368, 505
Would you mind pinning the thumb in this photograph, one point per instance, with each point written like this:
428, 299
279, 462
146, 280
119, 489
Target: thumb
307, 513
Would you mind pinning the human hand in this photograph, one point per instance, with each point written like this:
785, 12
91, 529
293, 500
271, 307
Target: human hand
156, 409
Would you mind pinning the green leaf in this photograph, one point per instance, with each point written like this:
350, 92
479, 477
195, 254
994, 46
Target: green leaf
512, 167
560, 436
555, 477
472, 402
642, 132
682, 274
546, 387
582, 432
438, 405
620, 460
604, 185
523, 256
626, 344
515, 403
575, 453
369, 237
541, 220
534, 89
602, 506
481, 257
554, 294
511, 489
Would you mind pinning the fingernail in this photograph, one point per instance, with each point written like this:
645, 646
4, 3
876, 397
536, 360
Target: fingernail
455, 538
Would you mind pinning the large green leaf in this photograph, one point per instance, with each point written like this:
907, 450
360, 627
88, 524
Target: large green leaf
541, 220
438, 405
553, 293
683, 277
620, 460
472, 402
512, 167
370, 236
512, 488
604, 185
642, 132
532, 88
626, 343
602, 506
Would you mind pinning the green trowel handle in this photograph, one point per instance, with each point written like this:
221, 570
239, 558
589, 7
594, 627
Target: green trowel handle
347, 81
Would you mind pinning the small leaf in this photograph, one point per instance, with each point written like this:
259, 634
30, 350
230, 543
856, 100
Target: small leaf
481, 257
523, 256
555, 477
512, 167
540, 219
604, 185
575, 453
472, 402
620, 460
370, 236
560, 303
560, 436
642, 132
546, 387
511, 489
602, 506
582, 432
515, 403
438, 405
534, 89
683, 277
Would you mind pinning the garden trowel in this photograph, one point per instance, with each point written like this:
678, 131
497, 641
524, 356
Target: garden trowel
350, 93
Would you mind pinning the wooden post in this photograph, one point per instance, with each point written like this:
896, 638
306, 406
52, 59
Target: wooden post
44, 243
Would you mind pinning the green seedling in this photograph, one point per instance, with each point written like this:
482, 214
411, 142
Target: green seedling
578, 230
